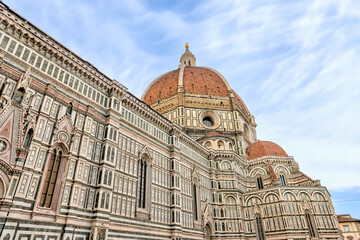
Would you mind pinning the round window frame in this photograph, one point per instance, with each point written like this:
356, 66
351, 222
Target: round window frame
215, 118
7, 147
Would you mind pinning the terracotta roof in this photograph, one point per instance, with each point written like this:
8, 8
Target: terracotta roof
242, 105
164, 87
198, 80
346, 218
264, 148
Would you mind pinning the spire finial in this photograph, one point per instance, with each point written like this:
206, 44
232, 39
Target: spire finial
187, 58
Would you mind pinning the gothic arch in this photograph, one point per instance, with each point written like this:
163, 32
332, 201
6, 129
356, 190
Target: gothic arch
196, 194
303, 192
230, 199
55, 168
208, 231
146, 155
268, 194
250, 199
257, 171
320, 193
281, 169
290, 193
226, 165
143, 205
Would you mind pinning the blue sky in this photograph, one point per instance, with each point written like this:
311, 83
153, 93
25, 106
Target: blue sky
296, 64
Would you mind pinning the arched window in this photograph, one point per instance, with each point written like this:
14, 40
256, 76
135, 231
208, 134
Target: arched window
106, 132
259, 228
100, 176
103, 153
111, 133
115, 135
108, 154
112, 155
97, 200
102, 200
226, 166
101, 234
19, 95
142, 184
282, 180
221, 145
69, 109
107, 201
230, 146
208, 144
259, 183
110, 179
310, 223
195, 199
28, 138
105, 177
51, 179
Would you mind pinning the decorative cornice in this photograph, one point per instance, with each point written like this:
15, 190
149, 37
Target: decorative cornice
33, 37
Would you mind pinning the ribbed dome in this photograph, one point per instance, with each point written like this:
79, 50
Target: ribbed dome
264, 148
196, 80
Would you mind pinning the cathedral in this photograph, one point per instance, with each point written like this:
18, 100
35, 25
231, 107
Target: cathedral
82, 158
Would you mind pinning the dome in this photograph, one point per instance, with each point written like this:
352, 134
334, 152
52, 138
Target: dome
264, 148
195, 80
196, 85
200, 100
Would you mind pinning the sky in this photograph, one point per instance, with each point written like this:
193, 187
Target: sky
296, 65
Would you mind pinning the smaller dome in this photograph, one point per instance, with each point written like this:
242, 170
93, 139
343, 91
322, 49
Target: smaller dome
264, 148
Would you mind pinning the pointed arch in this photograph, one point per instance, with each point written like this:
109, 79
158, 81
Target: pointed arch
302, 195
257, 171
196, 194
69, 109
281, 169
208, 231
144, 182
319, 196
271, 197
253, 200
53, 176
289, 196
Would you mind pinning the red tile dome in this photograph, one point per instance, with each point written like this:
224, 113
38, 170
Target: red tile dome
196, 80
264, 148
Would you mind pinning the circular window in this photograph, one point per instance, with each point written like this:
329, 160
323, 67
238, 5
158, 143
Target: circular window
208, 122
209, 119
3, 145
